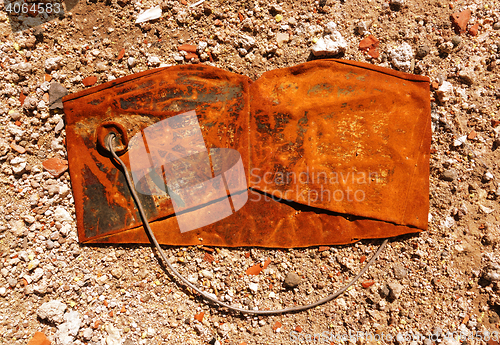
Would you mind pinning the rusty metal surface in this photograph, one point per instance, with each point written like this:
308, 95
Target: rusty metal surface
304, 134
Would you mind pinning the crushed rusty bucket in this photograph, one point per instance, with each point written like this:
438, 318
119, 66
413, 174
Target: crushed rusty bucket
326, 152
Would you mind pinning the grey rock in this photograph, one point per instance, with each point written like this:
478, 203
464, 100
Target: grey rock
292, 280
384, 291
242, 51
128, 341
456, 40
399, 271
52, 311
422, 51
449, 175
56, 93
467, 76
396, 5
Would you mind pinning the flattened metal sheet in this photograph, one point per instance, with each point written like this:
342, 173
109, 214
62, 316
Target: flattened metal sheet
333, 152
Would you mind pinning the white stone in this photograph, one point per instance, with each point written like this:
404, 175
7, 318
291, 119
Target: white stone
401, 57
53, 63
253, 286
153, 61
61, 215
113, 337
444, 92
330, 45
330, 27
52, 311
460, 141
151, 14
486, 210
67, 331
3, 291
247, 42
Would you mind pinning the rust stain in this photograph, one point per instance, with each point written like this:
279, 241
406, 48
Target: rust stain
328, 160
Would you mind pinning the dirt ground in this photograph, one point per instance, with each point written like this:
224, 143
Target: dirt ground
446, 279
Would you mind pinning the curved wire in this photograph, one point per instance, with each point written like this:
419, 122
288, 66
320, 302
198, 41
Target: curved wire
206, 295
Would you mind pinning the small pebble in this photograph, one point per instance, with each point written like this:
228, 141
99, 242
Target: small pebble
292, 280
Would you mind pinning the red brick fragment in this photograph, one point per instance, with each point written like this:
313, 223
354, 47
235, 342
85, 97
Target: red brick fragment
89, 81
323, 248
199, 316
47, 77
495, 123
474, 29
17, 148
298, 329
367, 283
208, 257
208, 249
276, 325
472, 135
362, 258
121, 54
190, 48
217, 22
254, 270
39, 339
247, 255
369, 45
46, 97
55, 166
22, 97
368, 42
374, 53
190, 56
459, 20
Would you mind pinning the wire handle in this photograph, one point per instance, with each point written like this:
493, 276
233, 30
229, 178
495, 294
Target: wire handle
109, 143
